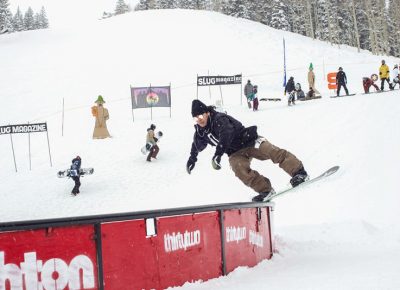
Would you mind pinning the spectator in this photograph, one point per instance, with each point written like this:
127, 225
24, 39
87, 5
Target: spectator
255, 98
290, 89
248, 92
299, 92
367, 83
384, 75
341, 81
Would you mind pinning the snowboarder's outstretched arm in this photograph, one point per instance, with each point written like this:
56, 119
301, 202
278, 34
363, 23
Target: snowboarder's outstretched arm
198, 145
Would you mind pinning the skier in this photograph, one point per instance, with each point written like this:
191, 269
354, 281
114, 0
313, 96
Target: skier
248, 91
255, 98
241, 145
74, 173
367, 83
395, 76
384, 75
290, 89
150, 138
341, 81
299, 92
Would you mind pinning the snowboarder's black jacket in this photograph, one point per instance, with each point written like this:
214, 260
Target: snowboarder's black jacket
224, 132
290, 87
341, 77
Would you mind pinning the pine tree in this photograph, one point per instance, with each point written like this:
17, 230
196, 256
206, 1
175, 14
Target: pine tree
298, 17
5, 17
43, 21
279, 15
18, 21
394, 27
29, 20
121, 7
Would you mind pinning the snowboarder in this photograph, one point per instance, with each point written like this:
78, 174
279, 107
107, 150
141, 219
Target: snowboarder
299, 92
384, 75
248, 92
395, 76
291, 90
255, 98
310, 94
101, 115
150, 138
341, 81
241, 145
74, 173
311, 79
367, 83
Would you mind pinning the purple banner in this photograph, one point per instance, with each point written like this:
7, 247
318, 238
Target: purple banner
147, 97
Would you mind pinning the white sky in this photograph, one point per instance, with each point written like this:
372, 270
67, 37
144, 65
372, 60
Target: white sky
72, 12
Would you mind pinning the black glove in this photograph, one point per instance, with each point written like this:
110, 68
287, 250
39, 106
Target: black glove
190, 165
216, 162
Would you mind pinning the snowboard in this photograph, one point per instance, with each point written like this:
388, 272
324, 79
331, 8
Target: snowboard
342, 96
82, 171
327, 173
270, 99
308, 98
146, 148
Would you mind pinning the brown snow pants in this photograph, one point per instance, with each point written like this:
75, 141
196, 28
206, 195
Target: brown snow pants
240, 164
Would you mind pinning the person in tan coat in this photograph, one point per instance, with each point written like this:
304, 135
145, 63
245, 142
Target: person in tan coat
311, 79
101, 115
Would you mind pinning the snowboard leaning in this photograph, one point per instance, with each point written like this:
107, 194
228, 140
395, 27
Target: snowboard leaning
327, 173
82, 171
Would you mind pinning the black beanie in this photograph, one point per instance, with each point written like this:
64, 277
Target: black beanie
198, 108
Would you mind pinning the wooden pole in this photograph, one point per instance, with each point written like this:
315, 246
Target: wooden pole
29, 149
62, 120
12, 147
48, 144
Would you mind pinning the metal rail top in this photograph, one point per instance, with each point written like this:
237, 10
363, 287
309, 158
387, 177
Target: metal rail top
93, 219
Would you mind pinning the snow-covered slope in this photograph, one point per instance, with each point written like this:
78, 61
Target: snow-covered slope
343, 225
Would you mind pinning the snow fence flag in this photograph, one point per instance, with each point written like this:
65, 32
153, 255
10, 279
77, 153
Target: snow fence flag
146, 97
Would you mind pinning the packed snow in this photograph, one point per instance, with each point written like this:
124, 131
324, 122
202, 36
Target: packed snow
340, 233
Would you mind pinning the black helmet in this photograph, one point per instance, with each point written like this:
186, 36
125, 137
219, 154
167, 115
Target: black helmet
340, 68
152, 126
383, 61
78, 157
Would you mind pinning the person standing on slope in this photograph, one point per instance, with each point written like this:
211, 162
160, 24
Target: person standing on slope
384, 75
291, 90
75, 174
248, 92
341, 81
150, 138
395, 76
241, 144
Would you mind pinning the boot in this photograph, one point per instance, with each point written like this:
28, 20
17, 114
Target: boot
299, 177
263, 196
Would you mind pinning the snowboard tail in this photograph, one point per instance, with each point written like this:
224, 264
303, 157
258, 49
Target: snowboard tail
327, 173
82, 171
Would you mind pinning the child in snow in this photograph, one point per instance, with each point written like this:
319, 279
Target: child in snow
74, 173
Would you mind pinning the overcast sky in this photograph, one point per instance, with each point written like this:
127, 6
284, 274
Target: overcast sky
63, 13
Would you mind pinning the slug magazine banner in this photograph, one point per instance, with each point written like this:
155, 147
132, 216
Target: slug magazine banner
24, 128
147, 97
219, 80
